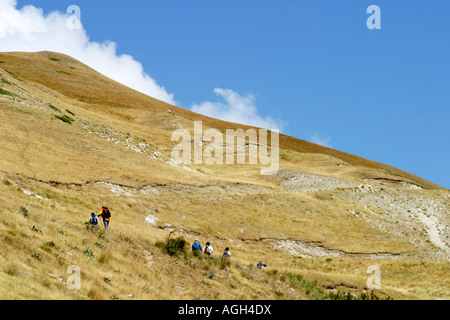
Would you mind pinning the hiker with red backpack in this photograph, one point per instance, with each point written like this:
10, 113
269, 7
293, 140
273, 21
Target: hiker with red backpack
106, 215
208, 249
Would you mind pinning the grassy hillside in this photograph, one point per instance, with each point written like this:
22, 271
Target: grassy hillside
73, 141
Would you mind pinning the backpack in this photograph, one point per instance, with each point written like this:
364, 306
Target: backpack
106, 213
207, 250
94, 220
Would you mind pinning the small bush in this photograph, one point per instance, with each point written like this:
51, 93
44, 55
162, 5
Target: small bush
340, 295
91, 227
100, 245
63, 72
70, 112
53, 107
102, 236
6, 93
65, 119
319, 293
55, 59
72, 246
36, 256
36, 229
88, 252
49, 244
173, 246
188, 259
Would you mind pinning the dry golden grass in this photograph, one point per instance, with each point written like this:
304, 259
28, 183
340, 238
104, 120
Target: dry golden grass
96, 97
121, 268
229, 205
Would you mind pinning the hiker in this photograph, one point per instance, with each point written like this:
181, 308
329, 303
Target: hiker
261, 265
196, 247
227, 253
208, 249
93, 219
226, 256
106, 215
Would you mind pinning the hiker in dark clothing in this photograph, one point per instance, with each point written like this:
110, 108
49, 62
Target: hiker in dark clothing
106, 215
261, 265
227, 253
93, 219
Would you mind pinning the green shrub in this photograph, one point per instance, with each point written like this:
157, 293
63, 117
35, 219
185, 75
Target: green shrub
24, 211
311, 288
72, 246
49, 244
91, 227
65, 119
36, 256
53, 107
55, 59
6, 93
173, 246
36, 229
100, 245
341, 295
102, 236
88, 252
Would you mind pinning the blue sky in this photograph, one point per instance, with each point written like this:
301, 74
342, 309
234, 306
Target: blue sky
311, 66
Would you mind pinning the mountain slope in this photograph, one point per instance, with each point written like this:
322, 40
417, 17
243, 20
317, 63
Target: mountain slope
73, 140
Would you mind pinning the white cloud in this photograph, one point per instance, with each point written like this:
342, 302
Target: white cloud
323, 141
30, 30
236, 108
